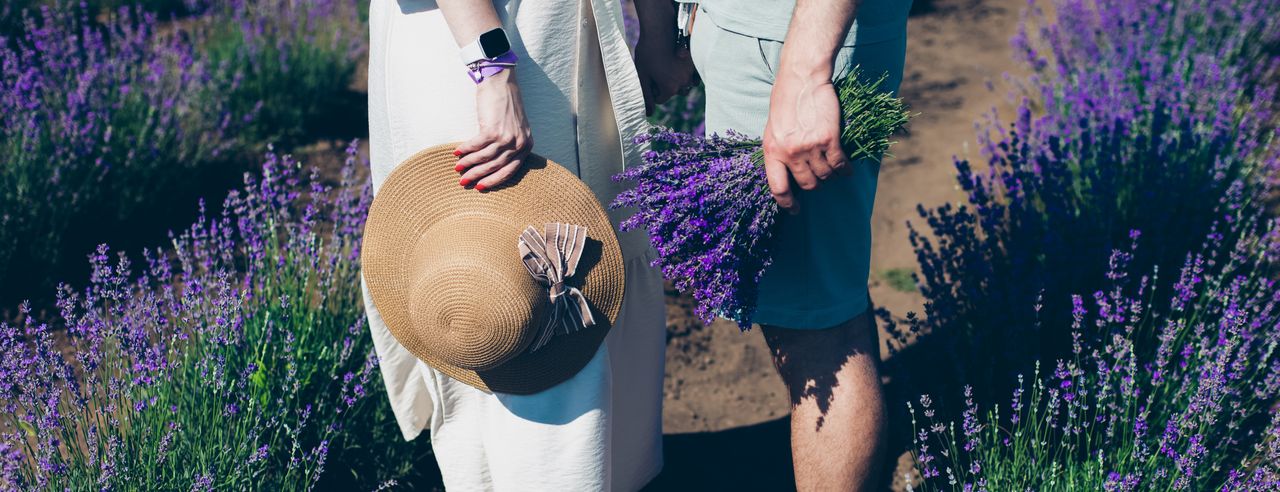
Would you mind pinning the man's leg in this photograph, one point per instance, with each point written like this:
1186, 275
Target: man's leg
837, 404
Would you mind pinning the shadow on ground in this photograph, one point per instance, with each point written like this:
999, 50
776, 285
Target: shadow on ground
755, 457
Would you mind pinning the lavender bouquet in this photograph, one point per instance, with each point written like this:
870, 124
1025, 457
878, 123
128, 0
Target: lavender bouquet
706, 204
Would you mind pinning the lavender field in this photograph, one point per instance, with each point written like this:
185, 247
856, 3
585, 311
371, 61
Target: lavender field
1100, 307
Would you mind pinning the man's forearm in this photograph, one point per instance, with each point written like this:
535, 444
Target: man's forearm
814, 35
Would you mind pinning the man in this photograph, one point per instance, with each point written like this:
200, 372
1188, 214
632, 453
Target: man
768, 67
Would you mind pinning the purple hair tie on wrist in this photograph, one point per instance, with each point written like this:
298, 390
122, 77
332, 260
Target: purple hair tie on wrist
484, 69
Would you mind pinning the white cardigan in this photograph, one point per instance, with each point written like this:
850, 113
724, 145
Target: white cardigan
584, 104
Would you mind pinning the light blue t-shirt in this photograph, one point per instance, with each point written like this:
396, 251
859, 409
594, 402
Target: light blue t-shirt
876, 21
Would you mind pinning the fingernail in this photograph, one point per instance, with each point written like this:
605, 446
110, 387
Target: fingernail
464, 182
457, 153
459, 168
481, 187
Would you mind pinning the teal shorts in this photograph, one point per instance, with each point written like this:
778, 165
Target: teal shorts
821, 256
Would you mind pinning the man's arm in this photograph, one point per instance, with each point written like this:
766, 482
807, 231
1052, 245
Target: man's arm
802, 135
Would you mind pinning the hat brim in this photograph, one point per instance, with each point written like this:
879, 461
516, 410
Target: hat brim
424, 189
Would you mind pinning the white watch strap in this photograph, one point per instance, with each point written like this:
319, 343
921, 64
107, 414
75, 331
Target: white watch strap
472, 53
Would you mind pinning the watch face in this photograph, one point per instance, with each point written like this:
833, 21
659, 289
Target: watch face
494, 43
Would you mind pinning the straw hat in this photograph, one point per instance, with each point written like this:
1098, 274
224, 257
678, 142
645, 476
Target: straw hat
472, 282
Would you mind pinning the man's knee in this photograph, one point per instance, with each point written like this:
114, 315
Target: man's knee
810, 361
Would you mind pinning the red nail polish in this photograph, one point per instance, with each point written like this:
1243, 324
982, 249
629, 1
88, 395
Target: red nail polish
459, 168
457, 153
465, 182
481, 187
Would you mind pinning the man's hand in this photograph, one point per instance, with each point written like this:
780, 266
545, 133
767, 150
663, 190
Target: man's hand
664, 69
802, 135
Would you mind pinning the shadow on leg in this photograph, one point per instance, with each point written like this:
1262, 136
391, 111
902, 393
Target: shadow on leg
837, 404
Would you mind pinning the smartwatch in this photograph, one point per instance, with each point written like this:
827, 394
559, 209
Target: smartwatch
490, 45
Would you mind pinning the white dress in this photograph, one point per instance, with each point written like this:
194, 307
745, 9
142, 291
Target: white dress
601, 429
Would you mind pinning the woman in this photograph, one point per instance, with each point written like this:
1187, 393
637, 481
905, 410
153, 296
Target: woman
439, 72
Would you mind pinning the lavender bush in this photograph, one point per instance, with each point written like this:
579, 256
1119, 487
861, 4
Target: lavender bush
11, 15
1146, 115
12, 11
106, 114
683, 113
706, 205
236, 358
1173, 395
100, 116
297, 58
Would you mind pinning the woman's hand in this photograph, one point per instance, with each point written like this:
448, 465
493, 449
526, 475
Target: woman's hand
493, 156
